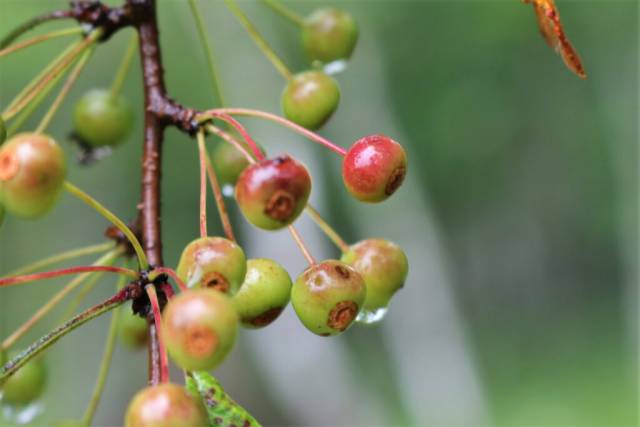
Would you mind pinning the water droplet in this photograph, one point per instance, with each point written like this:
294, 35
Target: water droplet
369, 317
335, 67
22, 414
227, 190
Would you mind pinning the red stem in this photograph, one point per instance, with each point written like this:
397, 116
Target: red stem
171, 273
233, 122
15, 280
157, 320
203, 186
217, 193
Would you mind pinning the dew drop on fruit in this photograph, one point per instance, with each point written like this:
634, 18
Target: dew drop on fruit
335, 67
369, 317
22, 414
227, 191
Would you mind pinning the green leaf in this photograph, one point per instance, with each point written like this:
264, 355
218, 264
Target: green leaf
222, 409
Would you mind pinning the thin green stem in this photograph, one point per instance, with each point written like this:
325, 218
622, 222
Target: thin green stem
231, 140
217, 193
64, 91
49, 339
303, 248
327, 229
285, 12
107, 259
33, 23
64, 256
104, 364
39, 39
142, 258
266, 49
202, 155
208, 51
82, 294
125, 64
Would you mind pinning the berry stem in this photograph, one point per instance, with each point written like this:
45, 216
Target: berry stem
64, 91
105, 260
266, 49
219, 114
39, 39
217, 193
280, 120
231, 140
327, 229
169, 272
303, 248
142, 258
26, 278
47, 340
208, 51
73, 305
59, 67
202, 153
285, 12
123, 68
105, 363
32, 23
157, 319
64, 256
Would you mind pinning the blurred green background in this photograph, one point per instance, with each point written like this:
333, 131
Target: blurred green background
519, 216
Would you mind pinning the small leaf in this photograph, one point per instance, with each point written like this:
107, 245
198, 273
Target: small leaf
552, 31
223, 411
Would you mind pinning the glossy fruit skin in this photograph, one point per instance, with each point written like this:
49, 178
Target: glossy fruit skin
26, 385
213, 262
229, 162
272, 194
374, 168
328, 296
3, 131
165, 405
100, 119
383, 265
329, 35
200, 328
32, 173
264, 294
133, 330
310, 98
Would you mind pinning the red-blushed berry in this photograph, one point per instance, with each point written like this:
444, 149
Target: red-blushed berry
272, 194
3, 131
374, 168
165, 405
133, 330
199, 327
214, 263
32, 173
100, 118
329, 35
26, 385
229, 162
383, 265
328, 296
264, 293
310, 98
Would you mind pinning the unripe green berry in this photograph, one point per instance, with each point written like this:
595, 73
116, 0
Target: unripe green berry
329, 35
133, 330
32, 173
165, 405
383, 265
273, 193
199, 327
264, 293
213, 262
229, 162
3, 131
26, 385
102, 119
310, 98
328, 296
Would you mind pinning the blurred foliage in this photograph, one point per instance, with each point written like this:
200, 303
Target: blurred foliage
530, 173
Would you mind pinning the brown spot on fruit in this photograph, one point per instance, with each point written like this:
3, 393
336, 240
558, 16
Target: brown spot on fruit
266, 318
9, 165
217, 281
201, 341
342, 271
281, 206
342, 315
395, 180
